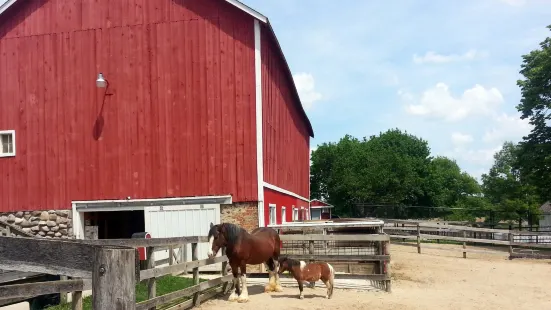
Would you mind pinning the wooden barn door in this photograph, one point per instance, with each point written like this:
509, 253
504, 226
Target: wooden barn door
183, 221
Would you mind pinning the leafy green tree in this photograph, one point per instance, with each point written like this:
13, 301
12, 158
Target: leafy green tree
393, 168
512, 197
534, 156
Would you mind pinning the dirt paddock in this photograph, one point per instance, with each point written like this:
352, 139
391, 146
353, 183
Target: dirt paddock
436, 279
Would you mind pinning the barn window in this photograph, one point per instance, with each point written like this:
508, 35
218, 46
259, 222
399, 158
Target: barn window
7, 140
272, 214
295, 214
283, 215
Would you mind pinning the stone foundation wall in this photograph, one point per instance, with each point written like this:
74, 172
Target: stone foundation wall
56, 224
244, 214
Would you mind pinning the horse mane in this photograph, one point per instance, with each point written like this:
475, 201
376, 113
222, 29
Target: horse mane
292, 262
232, 232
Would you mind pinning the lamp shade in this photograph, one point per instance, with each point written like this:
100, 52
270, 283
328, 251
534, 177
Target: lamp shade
101, 82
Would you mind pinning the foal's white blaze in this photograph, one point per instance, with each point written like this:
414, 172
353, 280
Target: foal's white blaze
211, 240
302, 265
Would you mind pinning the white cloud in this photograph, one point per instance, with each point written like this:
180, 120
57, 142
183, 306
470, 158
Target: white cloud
439, 103
507, 127
461, 139
306, 89
483, 156
433, 57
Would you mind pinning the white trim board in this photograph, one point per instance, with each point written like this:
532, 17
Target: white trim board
248, 10
258, 109
5, 4
286, 192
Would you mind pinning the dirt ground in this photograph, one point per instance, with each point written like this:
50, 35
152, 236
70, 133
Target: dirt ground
435, 279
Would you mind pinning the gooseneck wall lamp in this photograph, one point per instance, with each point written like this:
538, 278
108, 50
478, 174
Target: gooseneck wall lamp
101, 82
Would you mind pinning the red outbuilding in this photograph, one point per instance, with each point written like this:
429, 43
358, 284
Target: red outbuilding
158, 116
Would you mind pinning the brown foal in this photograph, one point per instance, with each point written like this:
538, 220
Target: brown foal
303, 272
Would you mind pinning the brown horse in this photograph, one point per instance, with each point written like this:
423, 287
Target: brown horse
303, 272
262, 245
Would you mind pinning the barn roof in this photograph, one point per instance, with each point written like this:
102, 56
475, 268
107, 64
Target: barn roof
546, 207
5, 4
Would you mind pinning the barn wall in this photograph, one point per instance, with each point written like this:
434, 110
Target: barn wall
178, 118
283, 200
286, 142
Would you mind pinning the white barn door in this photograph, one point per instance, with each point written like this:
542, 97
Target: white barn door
183, 221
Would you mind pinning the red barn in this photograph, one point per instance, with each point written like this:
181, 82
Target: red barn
320, 210
136, 115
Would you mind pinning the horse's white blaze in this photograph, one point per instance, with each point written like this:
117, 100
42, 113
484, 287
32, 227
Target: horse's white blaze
302, 265
211, 240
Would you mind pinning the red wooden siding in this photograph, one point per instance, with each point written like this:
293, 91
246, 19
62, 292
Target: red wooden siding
179, 119
282, 200
286, 141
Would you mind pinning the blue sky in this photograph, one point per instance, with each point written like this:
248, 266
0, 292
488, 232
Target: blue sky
443, 70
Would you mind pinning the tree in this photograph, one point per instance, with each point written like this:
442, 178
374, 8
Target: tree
512, 197
393, 168
534, 156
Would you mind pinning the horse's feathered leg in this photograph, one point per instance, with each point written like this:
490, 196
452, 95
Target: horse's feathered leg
271, 274
277, 284
235, 294
244, 296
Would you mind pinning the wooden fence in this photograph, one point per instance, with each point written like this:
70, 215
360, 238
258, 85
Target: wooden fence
347, 250
109, 267
534, 242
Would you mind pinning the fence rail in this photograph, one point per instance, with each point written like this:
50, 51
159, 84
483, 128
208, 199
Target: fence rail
110, 268
349, 249
418, 230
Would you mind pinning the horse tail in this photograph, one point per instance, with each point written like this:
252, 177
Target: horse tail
331, 272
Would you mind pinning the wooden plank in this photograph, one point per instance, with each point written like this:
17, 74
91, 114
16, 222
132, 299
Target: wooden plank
487, 241
207, 261
46, 256
340, 276
531, 245
413, 237
341, 258
320, 237
44, 288
113, 279
206, 296
459, 228
161, 300
161, 271
153, 242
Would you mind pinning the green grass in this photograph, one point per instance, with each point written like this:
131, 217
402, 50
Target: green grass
165, 285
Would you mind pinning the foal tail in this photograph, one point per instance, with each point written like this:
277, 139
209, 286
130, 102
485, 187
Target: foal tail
331, 279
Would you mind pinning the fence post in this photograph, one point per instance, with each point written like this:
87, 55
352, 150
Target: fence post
510, 245
76, 300
386, 252
311, 252
171, 255
114, 278
464, 245
195, 257
151, 283
419, 238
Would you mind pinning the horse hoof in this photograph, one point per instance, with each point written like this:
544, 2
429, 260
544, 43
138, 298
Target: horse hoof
242, 299
301, 297
278, 289
233, 297
268, 289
